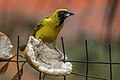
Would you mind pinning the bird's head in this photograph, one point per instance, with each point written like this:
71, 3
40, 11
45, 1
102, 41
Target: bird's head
62, 14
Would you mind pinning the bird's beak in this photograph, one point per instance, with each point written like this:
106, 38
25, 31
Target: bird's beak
69, 14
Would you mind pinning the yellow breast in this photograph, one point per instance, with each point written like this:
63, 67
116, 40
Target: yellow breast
48, 33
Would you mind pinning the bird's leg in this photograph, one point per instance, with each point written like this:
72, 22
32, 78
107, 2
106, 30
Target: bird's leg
55, 46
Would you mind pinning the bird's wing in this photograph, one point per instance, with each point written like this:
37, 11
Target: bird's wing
38, 27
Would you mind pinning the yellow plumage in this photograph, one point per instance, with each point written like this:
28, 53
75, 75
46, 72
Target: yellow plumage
49, 32
48, 28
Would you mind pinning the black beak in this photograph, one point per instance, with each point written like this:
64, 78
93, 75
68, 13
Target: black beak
69, 14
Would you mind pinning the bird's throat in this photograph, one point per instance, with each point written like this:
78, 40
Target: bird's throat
61, 22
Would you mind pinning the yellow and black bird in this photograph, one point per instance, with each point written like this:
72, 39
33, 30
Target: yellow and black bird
48, 28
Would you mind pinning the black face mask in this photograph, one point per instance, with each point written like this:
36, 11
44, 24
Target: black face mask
63, 15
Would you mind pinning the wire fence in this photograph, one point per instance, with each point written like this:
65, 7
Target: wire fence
20, 70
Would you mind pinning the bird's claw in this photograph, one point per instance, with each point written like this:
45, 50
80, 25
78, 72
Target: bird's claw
61, 56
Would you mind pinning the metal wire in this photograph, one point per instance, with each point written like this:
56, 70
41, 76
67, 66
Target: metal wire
40, 74
87, 62
110, 59
44, 76
93, 62
63, 47
18, 58
63, 52
95, 77
86, 59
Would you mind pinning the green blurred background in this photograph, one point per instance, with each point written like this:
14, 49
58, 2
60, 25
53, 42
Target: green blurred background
95, 20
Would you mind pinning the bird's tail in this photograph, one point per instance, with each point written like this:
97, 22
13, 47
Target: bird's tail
22, 47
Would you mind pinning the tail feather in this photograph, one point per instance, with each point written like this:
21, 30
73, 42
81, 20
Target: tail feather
22, 47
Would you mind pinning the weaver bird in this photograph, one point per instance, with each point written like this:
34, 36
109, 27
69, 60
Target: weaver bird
48, 28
